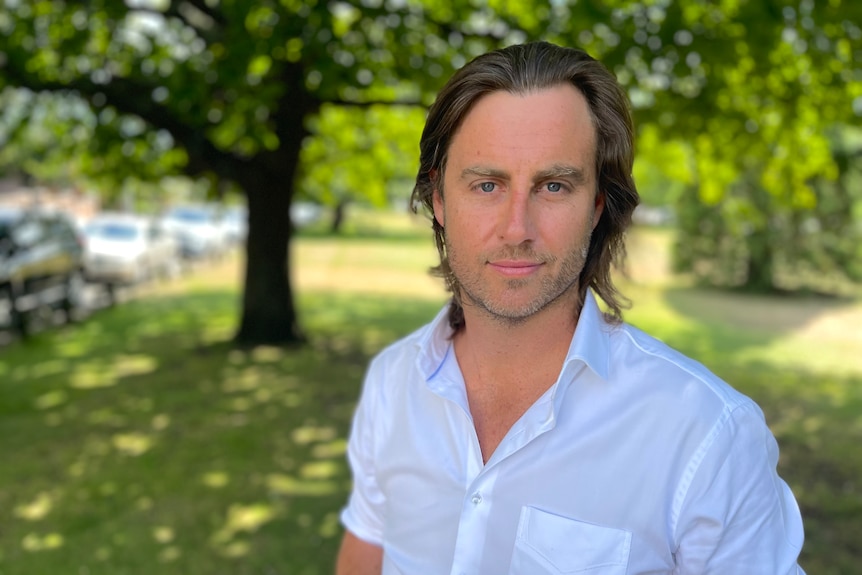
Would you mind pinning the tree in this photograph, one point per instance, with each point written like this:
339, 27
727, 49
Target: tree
228, 89
365, 156
762, 205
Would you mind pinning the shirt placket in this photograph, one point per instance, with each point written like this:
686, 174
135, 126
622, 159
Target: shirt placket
478, 500
475, 510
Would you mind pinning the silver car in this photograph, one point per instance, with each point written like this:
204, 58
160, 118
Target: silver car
127, 249
197, 229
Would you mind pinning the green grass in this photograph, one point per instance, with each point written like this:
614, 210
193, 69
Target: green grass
140, 442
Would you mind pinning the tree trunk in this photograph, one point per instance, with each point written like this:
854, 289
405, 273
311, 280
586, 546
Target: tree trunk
760, 265
338, 215
269, 314
759, 277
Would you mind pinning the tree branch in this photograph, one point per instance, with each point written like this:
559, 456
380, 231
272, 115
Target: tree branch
202, 7
204, 21
131, 98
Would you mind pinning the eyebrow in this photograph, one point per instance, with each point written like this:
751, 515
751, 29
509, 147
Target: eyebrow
572, 173
483, 172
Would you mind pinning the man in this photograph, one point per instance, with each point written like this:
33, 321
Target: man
523, 430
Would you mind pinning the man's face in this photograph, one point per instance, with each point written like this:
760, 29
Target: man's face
519, 201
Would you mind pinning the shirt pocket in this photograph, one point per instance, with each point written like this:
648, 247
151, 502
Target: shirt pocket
548, 543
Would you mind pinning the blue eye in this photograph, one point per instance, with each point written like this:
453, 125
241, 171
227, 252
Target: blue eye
487, 186
554, 186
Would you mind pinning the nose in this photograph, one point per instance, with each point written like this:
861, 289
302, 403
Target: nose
517, 224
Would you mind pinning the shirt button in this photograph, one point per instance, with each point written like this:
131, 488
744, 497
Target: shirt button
477, 498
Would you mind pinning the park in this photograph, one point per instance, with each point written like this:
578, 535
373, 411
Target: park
200, 425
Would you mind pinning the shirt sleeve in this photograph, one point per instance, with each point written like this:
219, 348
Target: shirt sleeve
738, 515
363, 515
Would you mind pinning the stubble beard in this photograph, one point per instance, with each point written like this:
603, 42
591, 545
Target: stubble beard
475, 292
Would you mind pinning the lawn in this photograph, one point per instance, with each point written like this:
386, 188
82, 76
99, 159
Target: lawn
139, 442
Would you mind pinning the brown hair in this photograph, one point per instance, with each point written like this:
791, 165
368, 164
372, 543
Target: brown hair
523, 69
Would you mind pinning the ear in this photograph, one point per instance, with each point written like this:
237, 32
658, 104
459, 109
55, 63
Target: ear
437, 200
599, 208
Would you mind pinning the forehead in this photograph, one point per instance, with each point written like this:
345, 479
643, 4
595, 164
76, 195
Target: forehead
551, 125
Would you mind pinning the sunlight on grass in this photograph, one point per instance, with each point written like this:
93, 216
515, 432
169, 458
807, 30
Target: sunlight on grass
170, 554
304, 435
133, 444
91, 375
332, 449
161, 421
811, 334
267, 354
36, 542
75, 348
48, 368
368, 267
287, 485
51, 399
320, 470
215, 479
163, 534
242, 519
36, 509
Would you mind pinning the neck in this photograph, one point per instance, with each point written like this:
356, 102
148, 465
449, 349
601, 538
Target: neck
510, 348
508, 366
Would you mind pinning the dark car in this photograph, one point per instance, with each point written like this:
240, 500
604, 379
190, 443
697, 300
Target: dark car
41, 265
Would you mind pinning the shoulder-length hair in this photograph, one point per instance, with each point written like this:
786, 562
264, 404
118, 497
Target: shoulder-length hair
524, 69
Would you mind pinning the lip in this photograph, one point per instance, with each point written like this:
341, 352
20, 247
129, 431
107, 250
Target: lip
515, 268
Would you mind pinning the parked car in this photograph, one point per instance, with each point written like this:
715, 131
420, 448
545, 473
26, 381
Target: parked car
305, 213
197, 229
125, 249
41, 265
234, 220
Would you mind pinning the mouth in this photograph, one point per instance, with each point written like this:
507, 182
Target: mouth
515, 268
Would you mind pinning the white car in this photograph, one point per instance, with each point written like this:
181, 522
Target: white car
234, 220
127, 249
197, 229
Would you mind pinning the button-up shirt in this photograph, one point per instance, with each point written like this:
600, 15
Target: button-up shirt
637, 460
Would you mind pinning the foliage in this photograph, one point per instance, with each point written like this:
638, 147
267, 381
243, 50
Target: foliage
367, 156
663, 169
229, 90
770, 177
751, 239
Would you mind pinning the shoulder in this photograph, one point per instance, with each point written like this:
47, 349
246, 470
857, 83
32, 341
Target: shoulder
416, 355
402, 352
638, 355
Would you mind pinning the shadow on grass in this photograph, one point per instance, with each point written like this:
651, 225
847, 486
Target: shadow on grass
761, 315
142, 443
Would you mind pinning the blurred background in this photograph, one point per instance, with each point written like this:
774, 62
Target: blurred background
205, 234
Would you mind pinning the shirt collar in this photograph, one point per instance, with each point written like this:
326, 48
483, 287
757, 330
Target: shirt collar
590, 343
433, 344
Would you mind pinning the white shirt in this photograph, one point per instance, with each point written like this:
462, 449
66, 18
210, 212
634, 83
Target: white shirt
637, 460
